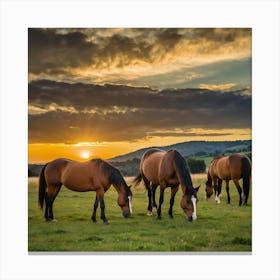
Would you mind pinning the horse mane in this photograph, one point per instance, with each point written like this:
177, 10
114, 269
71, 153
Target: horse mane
183, 172
112, 172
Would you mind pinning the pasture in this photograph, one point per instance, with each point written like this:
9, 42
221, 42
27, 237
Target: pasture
219, 227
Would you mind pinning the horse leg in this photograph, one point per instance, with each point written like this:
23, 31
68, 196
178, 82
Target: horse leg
161, 199
154, 188
245, 192
173, 193
236, 182
227, 189
51, 193
100, 197
219, 189
95, 206
149, 208
148, 188
216, 188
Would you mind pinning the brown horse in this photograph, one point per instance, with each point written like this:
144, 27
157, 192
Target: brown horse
94, 175
167, 169
233, 167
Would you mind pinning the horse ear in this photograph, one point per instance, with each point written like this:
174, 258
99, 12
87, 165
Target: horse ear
197, 188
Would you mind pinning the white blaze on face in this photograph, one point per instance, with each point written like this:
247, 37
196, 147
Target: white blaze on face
193, 199
129, 202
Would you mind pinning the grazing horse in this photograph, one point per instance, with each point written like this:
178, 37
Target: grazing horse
167, 169
233, 167
94, 175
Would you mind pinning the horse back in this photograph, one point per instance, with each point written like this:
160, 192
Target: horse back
167, 172
85, 176
220, 168
150, 163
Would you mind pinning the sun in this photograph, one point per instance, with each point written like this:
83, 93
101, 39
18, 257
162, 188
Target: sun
85, 154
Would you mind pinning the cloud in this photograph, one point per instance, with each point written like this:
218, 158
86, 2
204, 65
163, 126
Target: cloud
98, 55
84, 112
220, 87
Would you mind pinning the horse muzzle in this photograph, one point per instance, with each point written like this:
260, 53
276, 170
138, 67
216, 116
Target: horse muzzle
126, 213
190, 218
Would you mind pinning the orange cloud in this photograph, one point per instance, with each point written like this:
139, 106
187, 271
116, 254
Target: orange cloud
220, 87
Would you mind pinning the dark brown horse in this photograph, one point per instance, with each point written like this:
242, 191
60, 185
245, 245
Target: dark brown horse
94, 175
167, 169
233, 167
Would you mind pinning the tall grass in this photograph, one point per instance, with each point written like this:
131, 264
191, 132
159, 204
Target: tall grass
219, 228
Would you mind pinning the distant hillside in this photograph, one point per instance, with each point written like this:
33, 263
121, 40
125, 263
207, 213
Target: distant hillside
194, 149
128, 164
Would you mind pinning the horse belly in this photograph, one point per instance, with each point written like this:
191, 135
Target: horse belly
221, 169
151, 174
80, 185
77, 179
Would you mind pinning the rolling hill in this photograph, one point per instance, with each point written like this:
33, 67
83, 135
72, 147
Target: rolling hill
193, 148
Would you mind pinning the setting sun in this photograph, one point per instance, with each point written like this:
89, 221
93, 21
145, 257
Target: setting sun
85, 154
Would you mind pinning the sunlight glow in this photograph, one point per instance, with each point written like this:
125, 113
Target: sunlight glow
85, 154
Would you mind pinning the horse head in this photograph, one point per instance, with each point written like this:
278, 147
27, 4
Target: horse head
125, 201
188, 203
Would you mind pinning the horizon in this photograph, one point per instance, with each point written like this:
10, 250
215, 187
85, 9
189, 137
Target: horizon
149, 147
103, 92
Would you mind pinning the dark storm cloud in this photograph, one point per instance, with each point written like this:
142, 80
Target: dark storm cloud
56, 51
49, 52
115, 113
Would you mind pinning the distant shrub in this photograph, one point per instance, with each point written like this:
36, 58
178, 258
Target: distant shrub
196, 165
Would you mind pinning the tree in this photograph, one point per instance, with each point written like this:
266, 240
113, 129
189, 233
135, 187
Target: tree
196, 165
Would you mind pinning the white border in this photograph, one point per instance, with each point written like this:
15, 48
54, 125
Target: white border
17, 16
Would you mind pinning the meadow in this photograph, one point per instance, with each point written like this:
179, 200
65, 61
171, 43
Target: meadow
219, 227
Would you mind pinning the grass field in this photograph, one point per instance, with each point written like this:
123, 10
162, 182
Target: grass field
219, 227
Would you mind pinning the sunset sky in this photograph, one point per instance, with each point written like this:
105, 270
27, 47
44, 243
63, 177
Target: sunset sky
106, 92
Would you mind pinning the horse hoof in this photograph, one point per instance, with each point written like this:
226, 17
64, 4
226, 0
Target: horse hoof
170, 217
154, 211
106, 223
149, 213
158, 218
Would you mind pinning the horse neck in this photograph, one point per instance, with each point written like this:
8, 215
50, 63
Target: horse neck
183, 174
118, 182
209, 178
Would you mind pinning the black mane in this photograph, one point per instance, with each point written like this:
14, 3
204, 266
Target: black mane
183, 172
114, 174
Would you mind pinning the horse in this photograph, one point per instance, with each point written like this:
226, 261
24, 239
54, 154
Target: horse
233, 167
167, 169
93, 175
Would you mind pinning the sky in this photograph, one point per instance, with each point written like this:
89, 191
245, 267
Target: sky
104, 92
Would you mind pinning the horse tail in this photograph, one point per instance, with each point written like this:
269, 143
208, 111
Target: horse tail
137, 179
42, 187
246, 174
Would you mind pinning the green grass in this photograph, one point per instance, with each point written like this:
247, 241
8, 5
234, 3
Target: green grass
219, 228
